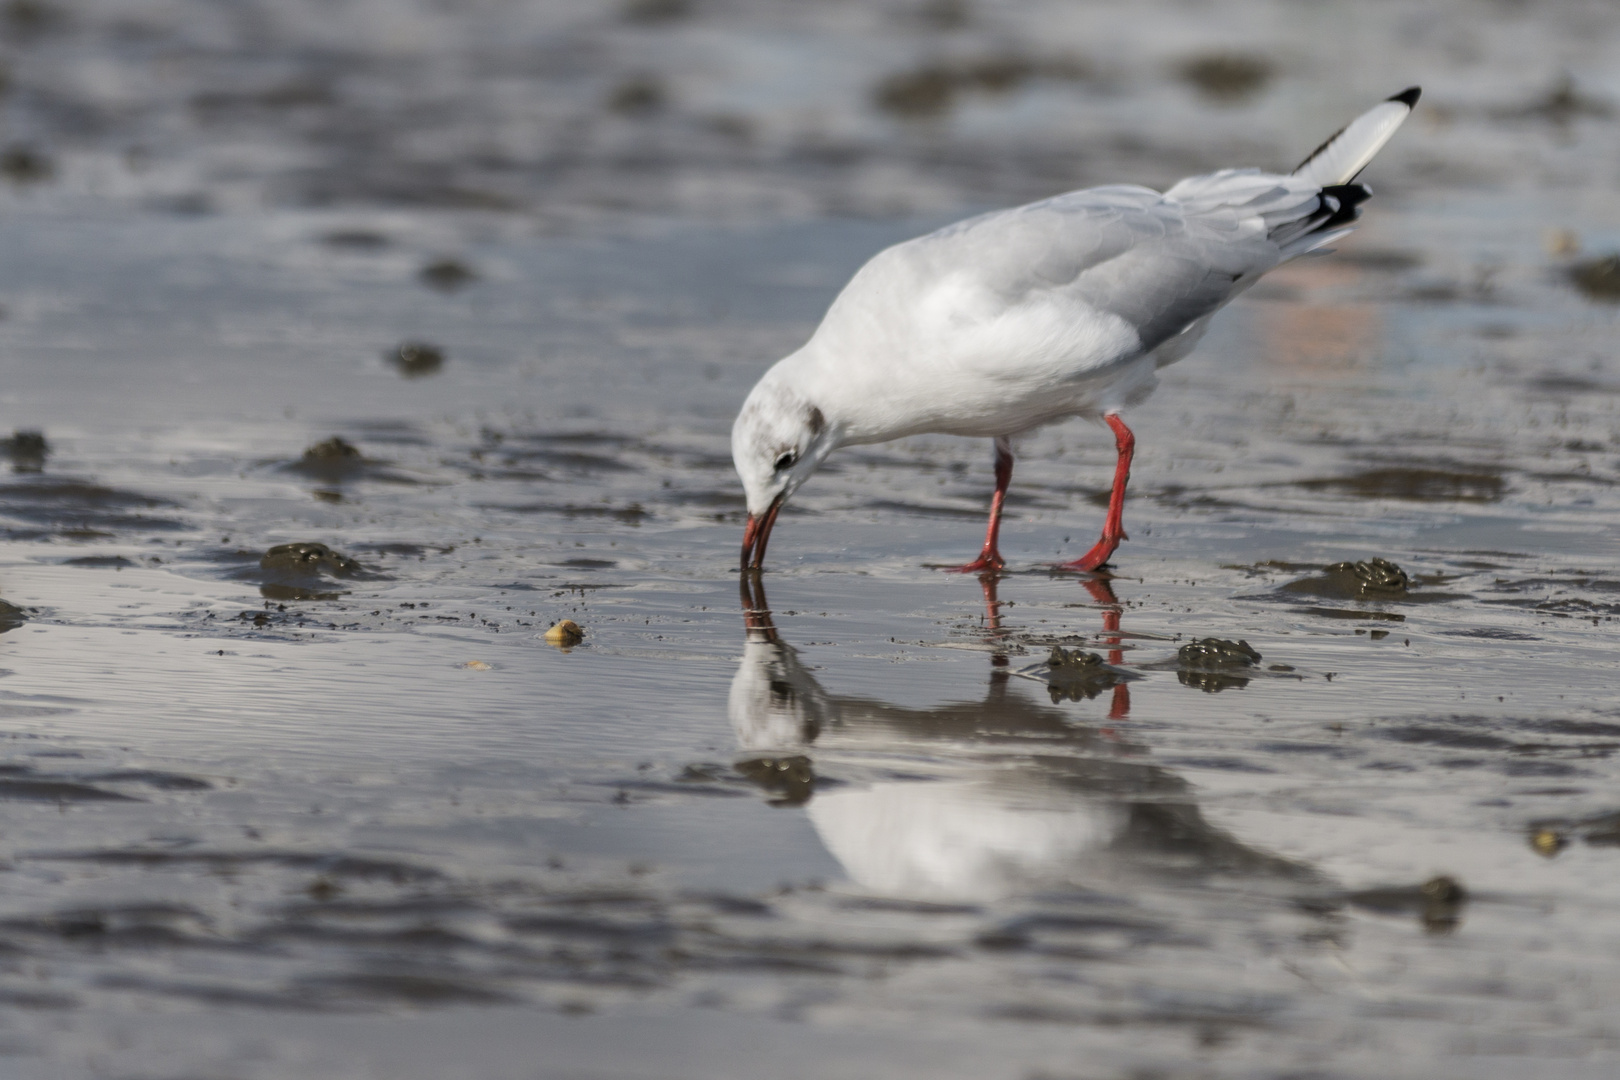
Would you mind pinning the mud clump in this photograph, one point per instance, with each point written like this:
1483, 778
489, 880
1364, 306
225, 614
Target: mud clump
1227, 78
1438, 902
415, 359
295, 571
27, 451
447, 275
789, 780
1598, 279
1211, 664
11, 616
308, 559
1370, 579
334, 449
1217, 652
332, 461
1373, 577
1077, 675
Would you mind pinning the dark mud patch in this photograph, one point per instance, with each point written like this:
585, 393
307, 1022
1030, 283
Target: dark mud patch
1598, 279
1077, 675
137, 926
632, 514
100, 562
1562, 104
657, 11
1491, 633
328, 864
786, 781
19, 783
303, 570
27, 451
1226, 78
1544, 755
12, 616
76, 509
934, 89
1353, 614
1414, 484
581, 455
1215, 664
1369, 581
920, 510
1565, 384
1375, 578
1437, 903
336, 462
447, 275
356, 239
416, 359
25, 783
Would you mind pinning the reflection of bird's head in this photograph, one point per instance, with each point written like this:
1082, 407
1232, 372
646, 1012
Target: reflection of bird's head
775, 703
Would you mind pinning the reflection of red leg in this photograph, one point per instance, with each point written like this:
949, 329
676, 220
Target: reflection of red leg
989, 558
1114, 526
1102, 592
992, 617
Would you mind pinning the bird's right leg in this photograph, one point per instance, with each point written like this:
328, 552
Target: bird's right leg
989, 558
1114, 525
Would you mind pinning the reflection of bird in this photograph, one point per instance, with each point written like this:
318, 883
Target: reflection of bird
1001, 323
1019, 795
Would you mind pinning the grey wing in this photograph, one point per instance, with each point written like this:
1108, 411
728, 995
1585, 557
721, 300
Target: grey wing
1161, 262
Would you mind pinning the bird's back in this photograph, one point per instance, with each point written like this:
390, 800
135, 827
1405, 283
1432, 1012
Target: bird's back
1067, 306
1040, 307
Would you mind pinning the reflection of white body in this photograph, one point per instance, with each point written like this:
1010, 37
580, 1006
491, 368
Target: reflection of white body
957, 840
1038, 801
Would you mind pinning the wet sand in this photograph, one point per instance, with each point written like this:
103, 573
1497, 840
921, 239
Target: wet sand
307, 810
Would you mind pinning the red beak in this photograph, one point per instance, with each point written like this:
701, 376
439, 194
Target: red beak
757, 533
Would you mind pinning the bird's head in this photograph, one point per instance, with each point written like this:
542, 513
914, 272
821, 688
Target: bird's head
778, 440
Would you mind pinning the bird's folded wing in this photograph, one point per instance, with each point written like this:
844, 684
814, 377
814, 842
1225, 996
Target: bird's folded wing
1160, 262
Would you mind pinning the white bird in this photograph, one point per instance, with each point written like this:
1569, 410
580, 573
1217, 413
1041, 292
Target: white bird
1002, 323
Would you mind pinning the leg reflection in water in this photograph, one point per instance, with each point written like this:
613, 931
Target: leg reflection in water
995, 797
1103, 593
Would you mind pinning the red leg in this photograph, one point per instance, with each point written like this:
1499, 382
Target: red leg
989, 558
1114, 526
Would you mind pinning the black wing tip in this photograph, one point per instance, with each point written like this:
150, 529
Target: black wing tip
1408, 97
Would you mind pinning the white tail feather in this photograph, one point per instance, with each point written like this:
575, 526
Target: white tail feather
1338, 160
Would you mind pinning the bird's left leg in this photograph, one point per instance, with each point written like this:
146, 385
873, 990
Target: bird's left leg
989, 558
1114, 525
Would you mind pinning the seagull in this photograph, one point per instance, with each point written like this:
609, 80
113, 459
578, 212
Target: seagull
1015, 319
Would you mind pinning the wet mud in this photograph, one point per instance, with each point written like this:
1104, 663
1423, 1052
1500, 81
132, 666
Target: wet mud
367, 347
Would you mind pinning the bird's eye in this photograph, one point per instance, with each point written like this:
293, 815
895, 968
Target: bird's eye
786, 460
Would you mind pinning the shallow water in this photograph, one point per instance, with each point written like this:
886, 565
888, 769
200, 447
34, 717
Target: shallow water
346, 813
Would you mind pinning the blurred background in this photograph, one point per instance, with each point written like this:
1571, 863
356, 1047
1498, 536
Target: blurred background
723, 109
